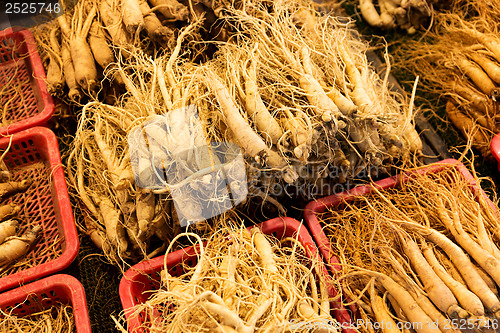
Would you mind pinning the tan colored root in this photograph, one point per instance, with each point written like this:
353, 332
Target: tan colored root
491, 67
487, 279
434, 314
232, 287
113, 222
300, 130
476, 74
370, 13
251, 143
145, 211
255, 107
131, 15
411, 308
171, 9
15, 247
7, 229
100, 49
485, 259
400, 315
156, 31
363, 233
74, 93
324, 106
13, 187
382, 314
467, 299
468, 127
111, 18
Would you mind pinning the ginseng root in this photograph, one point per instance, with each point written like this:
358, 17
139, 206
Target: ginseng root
436, 289
7, 229
15, 247
469, 301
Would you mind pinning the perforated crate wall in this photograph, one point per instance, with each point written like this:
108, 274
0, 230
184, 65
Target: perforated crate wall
45, 293
34, 155
24, 97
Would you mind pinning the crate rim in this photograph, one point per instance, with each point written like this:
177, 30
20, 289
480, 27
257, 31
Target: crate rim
67, 219
76, 295
39, 76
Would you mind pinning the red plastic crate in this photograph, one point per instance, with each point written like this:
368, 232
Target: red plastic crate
34, 155
320, 206
140, 280
44, 293
495, 148
23, 91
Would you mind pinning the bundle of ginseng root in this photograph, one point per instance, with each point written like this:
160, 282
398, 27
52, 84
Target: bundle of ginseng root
80, 46
57, 318
243, 281
460, 59
422, 256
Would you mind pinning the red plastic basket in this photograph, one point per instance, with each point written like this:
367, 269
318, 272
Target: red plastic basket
44, 293
140, 280
495, 148
34, 155
23, 91
320, 206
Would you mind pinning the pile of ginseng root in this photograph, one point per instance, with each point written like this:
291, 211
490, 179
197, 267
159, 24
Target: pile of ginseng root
80, 47
459, 58
422, 256
293, 90
243, 281
409, 15
57, 318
